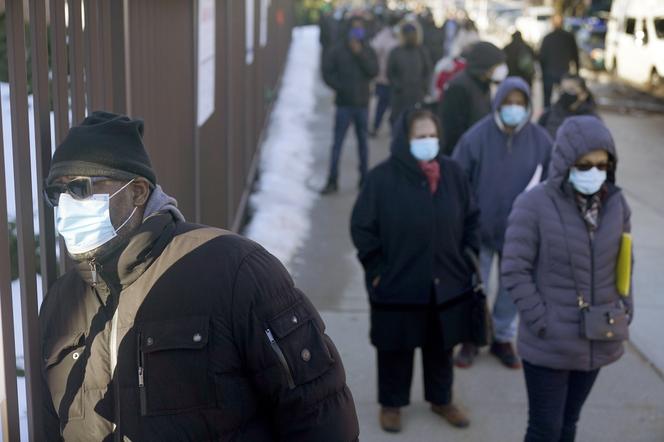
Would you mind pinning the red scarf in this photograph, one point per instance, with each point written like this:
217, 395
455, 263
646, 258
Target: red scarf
431, 170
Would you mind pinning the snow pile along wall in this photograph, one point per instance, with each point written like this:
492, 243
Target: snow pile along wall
282, 201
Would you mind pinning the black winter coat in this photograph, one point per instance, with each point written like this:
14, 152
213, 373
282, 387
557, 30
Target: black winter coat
350, 74
409, 71
558, 50
520, 60
467, 100
554, 117
413, 240
189, 334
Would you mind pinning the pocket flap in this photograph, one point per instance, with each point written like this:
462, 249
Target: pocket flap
181, 333
57, 347
284, 323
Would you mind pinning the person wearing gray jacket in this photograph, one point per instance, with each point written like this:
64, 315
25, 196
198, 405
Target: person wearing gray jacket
559, 265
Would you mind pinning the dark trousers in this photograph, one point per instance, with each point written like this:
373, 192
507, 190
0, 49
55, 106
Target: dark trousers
395, 371
383, 95
548, 81
346, 115
555, 399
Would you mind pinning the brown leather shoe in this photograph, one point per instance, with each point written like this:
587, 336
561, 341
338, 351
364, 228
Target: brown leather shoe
390, 419
506, 354
466, 356
452, 414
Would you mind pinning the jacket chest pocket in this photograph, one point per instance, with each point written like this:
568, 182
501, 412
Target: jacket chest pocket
299, 345
173, 366
64, 363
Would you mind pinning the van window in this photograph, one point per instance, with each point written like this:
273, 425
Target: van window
630, 26
659, 27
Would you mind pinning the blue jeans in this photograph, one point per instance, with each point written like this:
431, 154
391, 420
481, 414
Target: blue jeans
346, 115
555, 399
504, 309
383, 94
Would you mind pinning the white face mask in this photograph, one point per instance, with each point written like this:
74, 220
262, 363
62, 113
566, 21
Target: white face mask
587, 182
424, 149
86, 224
499, 73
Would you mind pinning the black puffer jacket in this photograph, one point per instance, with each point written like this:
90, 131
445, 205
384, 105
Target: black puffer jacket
350, 74
189, 334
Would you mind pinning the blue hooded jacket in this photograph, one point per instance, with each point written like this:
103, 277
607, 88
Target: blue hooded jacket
500, 165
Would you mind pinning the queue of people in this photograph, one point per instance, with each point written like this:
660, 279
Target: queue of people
473, 179
167, 330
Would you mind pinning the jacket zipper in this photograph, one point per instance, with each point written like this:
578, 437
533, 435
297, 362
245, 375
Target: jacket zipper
113, 365
281, 357
141, 380
592, 286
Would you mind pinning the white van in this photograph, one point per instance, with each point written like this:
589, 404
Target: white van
635, 42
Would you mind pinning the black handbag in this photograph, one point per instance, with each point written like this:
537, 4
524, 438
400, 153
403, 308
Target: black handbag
481, 322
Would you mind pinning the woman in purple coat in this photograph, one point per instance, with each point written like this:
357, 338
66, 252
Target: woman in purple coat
559, 265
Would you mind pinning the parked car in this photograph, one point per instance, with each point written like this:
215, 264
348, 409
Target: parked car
635, 43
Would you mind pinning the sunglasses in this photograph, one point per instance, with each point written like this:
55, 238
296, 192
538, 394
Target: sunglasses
587, 166
79, 188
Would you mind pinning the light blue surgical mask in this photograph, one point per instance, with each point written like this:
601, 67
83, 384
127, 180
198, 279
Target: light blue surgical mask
424, 149
86, 224
587, 182
513, 114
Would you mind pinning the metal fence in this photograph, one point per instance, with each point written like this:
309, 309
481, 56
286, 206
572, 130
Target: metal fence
136, 57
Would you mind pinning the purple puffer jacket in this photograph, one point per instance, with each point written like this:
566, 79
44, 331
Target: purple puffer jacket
536, 267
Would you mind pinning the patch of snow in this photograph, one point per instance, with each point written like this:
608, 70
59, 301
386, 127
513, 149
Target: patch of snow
282, 201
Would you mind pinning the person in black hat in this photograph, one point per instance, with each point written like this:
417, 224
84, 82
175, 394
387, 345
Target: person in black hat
468, 94
168, 331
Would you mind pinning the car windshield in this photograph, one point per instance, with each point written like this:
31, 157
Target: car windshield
659, 27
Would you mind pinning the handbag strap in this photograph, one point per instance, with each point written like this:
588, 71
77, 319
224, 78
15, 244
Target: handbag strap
583, 304
475, 261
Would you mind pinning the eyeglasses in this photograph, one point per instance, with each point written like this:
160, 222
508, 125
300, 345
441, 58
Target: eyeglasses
587, 166
79, 188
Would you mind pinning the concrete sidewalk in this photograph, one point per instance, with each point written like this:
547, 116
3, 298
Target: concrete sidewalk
627, 403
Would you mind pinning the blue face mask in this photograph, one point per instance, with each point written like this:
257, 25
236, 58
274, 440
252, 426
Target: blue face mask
587, 182
424, 149
86, 224
513, 114
357, 34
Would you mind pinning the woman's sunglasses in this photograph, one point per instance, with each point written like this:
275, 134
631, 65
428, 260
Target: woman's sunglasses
587, 166
79, 188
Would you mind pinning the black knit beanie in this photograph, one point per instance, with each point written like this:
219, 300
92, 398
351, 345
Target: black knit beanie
482, 56
105, 145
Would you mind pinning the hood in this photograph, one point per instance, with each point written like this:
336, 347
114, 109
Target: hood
507, 86
159, 201
481, 56
576, 137
400, 147
418, 30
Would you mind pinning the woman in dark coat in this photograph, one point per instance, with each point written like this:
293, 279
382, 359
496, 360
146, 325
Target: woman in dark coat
559, 265
413, 224
575, 99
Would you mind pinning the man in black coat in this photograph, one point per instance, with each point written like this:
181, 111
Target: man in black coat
348, 69
557, 52
169, 331
409, 71
468, 94
520, 59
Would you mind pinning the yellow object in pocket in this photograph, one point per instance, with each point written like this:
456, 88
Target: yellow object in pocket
624, 265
